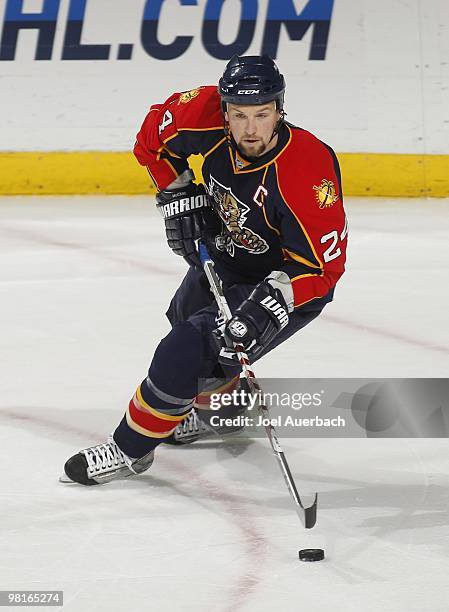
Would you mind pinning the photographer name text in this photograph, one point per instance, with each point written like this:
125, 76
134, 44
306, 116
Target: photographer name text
279, 421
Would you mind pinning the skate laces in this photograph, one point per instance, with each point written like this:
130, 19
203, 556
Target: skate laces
105, 457
192, 424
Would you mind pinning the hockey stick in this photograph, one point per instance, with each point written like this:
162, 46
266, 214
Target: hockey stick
307, 514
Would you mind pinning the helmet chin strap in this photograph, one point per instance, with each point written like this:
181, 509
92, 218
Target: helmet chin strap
278, 125
230, 138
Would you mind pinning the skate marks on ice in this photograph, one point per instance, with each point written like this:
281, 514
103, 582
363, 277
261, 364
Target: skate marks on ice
229, 517
160, 537
183, 488
425, 503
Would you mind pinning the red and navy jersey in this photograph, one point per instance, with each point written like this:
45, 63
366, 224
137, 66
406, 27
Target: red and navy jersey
283, 211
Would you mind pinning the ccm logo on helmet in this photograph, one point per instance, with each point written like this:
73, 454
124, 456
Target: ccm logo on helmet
248, 92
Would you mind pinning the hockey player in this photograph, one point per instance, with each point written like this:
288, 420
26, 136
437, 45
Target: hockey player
271, 214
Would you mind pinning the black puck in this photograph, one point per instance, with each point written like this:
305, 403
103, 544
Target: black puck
311, 554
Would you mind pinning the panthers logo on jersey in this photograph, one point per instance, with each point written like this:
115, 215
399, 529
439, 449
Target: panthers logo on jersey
326, 195
188, 95
233, 214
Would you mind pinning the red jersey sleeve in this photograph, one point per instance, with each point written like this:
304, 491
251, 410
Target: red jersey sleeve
313, 222
186, 123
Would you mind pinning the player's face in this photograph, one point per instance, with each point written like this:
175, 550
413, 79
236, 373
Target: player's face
252, 127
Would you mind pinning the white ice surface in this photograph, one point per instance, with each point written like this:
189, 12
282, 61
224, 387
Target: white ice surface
84, 283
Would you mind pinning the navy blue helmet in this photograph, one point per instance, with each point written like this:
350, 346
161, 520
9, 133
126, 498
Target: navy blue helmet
251, 79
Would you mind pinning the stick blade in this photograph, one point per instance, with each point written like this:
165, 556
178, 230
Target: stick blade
307, 514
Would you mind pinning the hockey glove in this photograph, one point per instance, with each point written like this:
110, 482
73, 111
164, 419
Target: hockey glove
182, 212
258, 320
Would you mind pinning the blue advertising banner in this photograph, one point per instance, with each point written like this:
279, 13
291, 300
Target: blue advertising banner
280, 15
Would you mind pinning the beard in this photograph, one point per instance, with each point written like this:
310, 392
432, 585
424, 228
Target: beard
255, 149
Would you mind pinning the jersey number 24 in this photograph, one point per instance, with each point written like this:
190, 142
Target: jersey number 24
333, 251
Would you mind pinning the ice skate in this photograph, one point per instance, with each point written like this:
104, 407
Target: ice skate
103, 463
197, 425
190, 430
